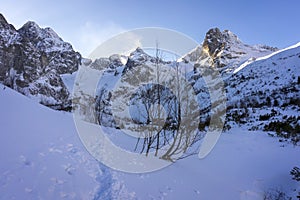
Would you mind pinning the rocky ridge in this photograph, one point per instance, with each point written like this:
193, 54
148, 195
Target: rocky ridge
32, 60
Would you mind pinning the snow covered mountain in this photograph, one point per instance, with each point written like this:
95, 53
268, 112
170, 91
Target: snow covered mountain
262, 87
32, 60
225, 51
43, 158
265, 94
260, 81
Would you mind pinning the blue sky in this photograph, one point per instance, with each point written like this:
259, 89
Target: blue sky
85, 24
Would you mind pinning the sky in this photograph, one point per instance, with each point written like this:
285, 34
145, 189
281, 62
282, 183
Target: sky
85, 24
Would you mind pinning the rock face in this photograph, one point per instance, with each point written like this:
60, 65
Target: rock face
215, 41
225, 51
32, 60
220, 50
262, 86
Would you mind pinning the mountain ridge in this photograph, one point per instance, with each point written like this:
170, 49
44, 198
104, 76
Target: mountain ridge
32, 60
35, 61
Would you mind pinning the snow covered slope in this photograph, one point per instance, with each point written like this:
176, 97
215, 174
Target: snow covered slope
265, 94
43, 158
262, 92
242, 166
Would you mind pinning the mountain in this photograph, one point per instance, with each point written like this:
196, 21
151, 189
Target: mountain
265, 94
261, 82
43, 159
32, 60
225, 51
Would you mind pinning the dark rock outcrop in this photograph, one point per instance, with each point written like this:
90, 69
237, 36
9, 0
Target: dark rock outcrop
32, 60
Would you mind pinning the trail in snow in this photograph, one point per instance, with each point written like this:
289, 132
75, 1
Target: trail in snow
43, 158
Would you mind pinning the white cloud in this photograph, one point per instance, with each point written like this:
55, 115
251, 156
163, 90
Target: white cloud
123, 44
91, 35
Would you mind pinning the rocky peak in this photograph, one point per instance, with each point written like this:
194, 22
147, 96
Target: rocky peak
225, 51
138, 57
139, 52
32, 60
4, 24
49, 32
110, 63
215, 41
118, 60
43, 37
30, 30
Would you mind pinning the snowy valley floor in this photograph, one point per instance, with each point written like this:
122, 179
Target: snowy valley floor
43, 158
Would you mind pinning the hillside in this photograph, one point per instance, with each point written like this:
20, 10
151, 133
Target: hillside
249, 94
42, 157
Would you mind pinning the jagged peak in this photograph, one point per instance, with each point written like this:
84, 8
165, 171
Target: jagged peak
230, 36
2, 19
32, 31
51, 33
4, 24
31, 25
216, 34
138, 50
139, 54
215, 40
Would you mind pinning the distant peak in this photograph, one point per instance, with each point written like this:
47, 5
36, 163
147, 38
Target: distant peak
139, 51
215, 35
33, 30
215, 40
4, 23
30, 25
213, 31
2, 19
230, 36
51, 33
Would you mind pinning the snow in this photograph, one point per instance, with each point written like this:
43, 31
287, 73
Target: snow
275, 72
282, 50
249, 61
43, 158
243, 165
231, 56
68, 80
